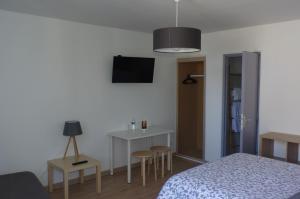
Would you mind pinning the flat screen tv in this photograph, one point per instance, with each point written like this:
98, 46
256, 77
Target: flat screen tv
133, 70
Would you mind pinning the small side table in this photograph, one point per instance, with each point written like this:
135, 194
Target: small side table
65, 165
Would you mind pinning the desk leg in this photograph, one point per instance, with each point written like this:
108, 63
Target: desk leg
129, 161
98, 178
50, 178
66, 184
169, 140
111, 155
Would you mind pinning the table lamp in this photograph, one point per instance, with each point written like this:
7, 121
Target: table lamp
71, 129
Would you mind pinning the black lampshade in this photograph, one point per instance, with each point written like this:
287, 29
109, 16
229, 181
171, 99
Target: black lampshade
72, 128
176, 40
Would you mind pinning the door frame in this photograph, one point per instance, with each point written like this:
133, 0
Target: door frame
224, 98
183, 60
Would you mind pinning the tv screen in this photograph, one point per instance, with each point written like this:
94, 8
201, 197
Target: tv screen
133, 70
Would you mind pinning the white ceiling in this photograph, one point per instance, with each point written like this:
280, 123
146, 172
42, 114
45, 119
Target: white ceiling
147, 15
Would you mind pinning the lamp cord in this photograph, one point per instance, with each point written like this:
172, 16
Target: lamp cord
177, 8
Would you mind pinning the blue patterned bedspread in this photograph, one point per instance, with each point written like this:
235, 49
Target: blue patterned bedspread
238, 176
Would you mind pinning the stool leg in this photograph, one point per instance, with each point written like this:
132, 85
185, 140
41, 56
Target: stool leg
157, 161
154, 166
162, 165
149, 166
169, 161
144, 173
142, 167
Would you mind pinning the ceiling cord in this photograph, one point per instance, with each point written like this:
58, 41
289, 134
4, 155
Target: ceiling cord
177, 8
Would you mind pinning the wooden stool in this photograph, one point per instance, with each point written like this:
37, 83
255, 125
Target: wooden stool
163, 150
145, 155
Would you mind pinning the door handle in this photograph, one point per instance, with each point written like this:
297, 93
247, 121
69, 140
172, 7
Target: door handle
244, 121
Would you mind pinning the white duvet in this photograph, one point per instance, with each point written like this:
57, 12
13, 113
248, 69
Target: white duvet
238, 176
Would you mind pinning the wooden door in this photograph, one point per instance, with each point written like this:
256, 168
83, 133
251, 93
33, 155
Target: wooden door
190, 110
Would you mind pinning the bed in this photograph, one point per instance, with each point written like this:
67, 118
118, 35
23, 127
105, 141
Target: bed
235, 177
21, 185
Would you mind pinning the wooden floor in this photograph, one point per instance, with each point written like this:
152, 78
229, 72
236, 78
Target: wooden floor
116, 186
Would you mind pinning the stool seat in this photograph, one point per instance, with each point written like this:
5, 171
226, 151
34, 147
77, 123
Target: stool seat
160, 149
142, 154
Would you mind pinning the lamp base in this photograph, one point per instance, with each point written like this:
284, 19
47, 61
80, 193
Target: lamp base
73, 139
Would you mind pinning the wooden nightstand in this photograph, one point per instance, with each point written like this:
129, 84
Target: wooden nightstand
65, 165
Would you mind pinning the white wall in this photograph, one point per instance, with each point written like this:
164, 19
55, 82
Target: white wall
279, 45
53, 70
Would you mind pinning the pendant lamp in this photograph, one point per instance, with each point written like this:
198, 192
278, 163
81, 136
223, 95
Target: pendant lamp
177, 39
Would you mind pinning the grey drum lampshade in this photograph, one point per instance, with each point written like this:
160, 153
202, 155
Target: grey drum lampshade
72, 128
177, 39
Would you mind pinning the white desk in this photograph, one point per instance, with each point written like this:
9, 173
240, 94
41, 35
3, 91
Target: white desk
129, 136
